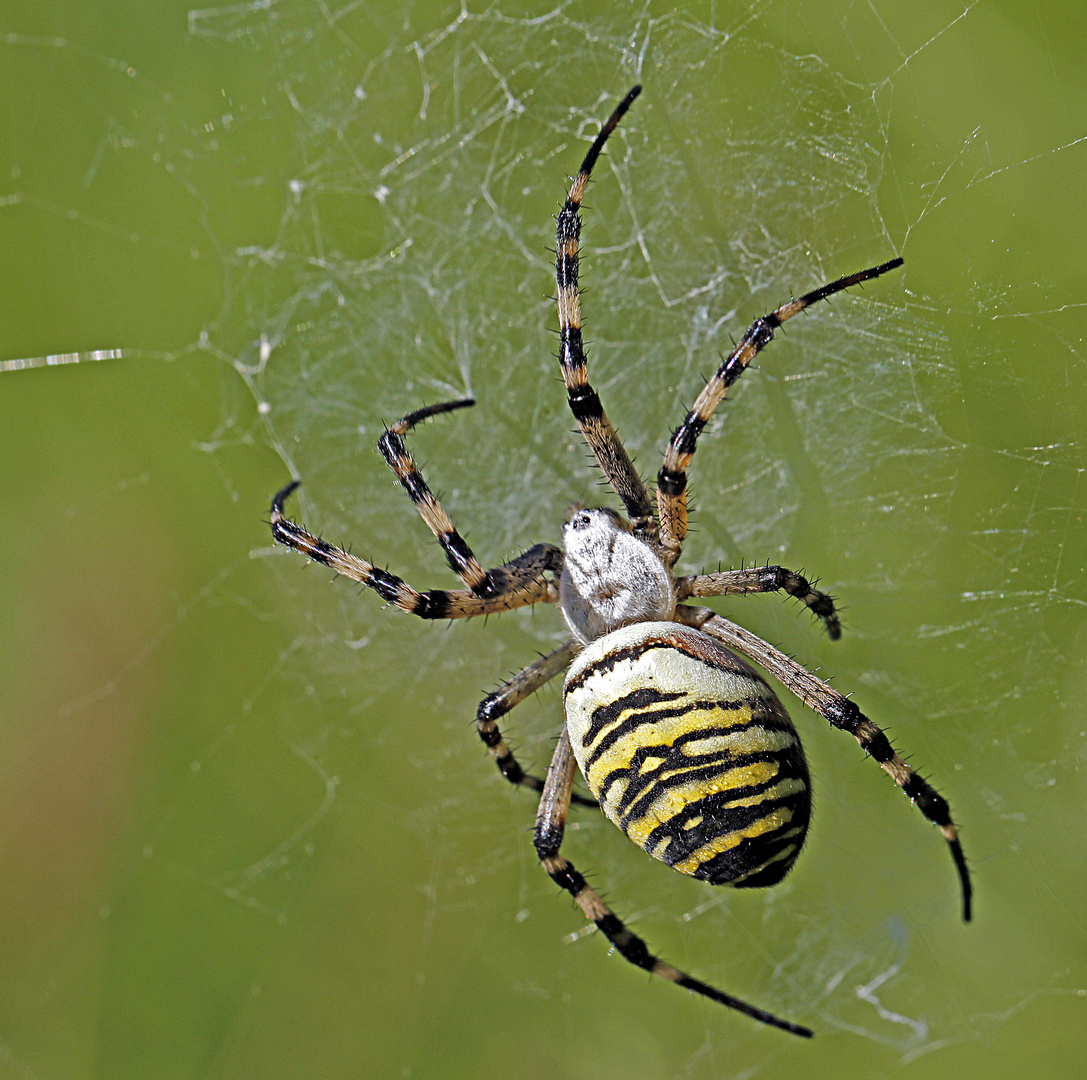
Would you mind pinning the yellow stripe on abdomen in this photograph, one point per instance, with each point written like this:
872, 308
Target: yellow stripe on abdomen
689, 752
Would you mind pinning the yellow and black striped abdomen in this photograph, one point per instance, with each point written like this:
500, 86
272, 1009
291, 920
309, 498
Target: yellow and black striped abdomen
690, 753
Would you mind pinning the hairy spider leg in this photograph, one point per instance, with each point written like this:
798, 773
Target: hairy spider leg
510, 694
584, 401
762, 579
523, 575
841, 713
550, 828
458, 554
515, 584
672, 478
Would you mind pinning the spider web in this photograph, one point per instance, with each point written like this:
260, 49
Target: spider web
905, 442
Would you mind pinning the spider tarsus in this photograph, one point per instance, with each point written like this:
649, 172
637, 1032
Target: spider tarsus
609, 126
845, 282
959, 857
403, 426
281, 497
699, 987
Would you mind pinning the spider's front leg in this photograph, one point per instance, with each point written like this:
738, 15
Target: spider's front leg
584, 401
672, 478
842, 713
761, 579
550, 828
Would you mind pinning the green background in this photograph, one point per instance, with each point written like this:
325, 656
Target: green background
246, 828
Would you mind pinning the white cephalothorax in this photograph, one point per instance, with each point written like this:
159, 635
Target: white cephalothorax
610, 578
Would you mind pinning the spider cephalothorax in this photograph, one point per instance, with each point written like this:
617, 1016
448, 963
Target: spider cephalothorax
682, 743
610, 578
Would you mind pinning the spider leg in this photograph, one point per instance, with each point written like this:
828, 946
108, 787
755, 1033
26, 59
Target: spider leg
483, 583
550, 826
841, 713
760, 579
584, 400
672, 478
518, 583
511, 694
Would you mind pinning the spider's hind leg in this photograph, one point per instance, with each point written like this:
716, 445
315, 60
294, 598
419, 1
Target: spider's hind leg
550, 828
511, 694
842, 713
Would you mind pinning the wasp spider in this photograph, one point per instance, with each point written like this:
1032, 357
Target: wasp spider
683, 744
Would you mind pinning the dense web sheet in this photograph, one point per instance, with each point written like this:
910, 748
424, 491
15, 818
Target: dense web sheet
408, 263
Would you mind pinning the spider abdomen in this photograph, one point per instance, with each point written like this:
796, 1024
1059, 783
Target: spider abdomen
690, 753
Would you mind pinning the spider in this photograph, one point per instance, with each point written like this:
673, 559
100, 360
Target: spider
682, 743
